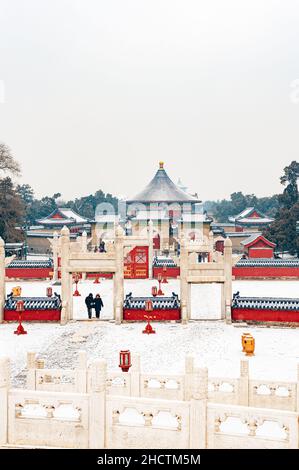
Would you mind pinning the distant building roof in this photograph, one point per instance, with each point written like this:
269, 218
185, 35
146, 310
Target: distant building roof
268, 262
189, 217
162, 189
63, 216
36, 234
254, 238
238, 234
159, 214
251, 216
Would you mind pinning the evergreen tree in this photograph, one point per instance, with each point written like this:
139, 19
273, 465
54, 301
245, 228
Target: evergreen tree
283, 230
11, 206
11, 210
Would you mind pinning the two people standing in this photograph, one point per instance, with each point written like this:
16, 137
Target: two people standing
94, 302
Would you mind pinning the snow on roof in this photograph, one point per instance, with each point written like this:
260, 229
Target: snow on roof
162, 189
255, 237
244, 217
189, 217
255, 220
251, 238
238, 234
68, 216
71, 214
151, 215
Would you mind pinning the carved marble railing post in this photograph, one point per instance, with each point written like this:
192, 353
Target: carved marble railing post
135, 376
227, 259
118, 279
2, 279
189, 370
183, 275
55, 251
244, 383
4, 388
84, 243
66, 278
31, 366
81, 373
97, 404
198, 409
184, 312
150, 249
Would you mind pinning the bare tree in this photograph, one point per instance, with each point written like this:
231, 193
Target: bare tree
7, 163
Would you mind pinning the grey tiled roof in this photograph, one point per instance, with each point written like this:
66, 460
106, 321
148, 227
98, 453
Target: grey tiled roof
265, 303
34, 303
23, 263
162, 189
268, 262
251, 238
160, 262
159, 303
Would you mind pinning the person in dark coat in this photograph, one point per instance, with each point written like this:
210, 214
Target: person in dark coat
89, 301
102, 247
98, 304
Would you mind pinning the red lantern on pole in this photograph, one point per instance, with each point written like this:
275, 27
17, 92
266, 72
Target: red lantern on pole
149, 305
154, 291
76, 279
160, 292
20, 308
164, 275
148, 308
49, 291
125, 360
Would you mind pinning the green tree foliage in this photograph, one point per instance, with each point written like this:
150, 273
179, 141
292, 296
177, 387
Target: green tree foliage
222, 210
39, 208
11, 206
289, 197
11, 211
86, 205
283, 230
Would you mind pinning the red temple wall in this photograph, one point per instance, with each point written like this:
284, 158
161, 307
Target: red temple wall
260, 315
140, 314
260, 252
173, 272
265, 272
32, 315
28, 273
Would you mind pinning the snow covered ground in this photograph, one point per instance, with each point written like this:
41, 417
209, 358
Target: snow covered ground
213, 343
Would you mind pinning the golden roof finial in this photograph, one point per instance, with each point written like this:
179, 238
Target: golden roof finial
161, 165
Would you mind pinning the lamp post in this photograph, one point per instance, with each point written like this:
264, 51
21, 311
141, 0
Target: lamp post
164, 275
160, 292
125, 360
76, 279
20, 308
49, 291
148, 308
154, 291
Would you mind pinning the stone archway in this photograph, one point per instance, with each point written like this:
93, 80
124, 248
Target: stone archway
216, 272
82, 262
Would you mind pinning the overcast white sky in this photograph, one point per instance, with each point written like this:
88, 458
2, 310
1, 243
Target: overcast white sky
98, 91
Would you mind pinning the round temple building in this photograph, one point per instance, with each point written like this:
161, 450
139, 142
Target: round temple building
171, 209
